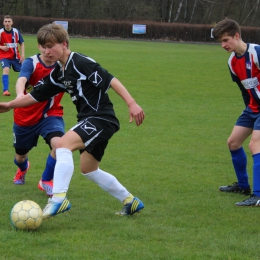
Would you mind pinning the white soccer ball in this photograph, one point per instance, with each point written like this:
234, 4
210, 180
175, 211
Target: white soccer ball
26, 215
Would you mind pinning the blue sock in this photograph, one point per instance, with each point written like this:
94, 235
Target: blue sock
22, 166
5, 81
49, 169
256, 174
239, 161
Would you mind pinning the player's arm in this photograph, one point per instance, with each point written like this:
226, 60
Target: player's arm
22, 52
2, 46
235, 78
135, 110
24, 76
24, 101
43, 90
100, 78
245, 95
20, 86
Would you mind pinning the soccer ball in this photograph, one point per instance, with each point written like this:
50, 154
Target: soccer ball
26, 215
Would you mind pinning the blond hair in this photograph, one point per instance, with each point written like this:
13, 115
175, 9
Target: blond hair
52, 33
8, 17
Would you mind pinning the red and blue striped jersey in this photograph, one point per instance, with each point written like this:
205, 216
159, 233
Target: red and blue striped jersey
11, 39
245, 71
34, 70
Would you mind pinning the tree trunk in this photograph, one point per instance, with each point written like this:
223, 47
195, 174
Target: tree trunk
63, 6
26, 9
178, 11
2, 6
242, 10
170, 11
193, 10
253, 10
210, 11
256, 8
185, 11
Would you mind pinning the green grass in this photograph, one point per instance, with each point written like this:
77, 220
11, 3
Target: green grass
174, 162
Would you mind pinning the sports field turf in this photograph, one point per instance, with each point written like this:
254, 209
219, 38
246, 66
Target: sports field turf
174, 162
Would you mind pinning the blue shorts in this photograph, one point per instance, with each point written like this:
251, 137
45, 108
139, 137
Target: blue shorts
249, 119
15, 64
26, 137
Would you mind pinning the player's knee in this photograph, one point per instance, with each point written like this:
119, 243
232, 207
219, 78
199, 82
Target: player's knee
58, 144
20, 158
54, 142
254, 146
233, 144
229, 144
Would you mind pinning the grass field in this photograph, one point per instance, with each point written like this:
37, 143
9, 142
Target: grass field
174, 162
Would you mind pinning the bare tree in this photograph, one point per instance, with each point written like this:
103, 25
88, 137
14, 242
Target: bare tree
163, 10
228, 5
121, 9
2, 6
178, 11
63, 7
42, 8
210, 10
170, 11
185, 11
26, 8
253, 10
11, 5
242, 10
193, 10
245, 12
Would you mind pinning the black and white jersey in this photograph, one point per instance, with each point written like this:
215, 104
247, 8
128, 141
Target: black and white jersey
86, 82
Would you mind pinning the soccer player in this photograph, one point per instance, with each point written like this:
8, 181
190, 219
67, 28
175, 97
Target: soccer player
9, 53
87, 83
40, 119
243, 64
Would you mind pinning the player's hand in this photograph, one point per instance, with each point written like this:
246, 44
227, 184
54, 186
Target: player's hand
137, 113
4, 107
5, 48
22, 59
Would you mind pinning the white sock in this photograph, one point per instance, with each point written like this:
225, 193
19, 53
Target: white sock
63, 171
108, 183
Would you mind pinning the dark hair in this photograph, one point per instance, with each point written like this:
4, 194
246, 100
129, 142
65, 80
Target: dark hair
226, 26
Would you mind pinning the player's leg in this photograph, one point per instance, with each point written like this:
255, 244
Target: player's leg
63, 172
16, 65
46, 181
24, 138
108, 182
51, 136
91, 157
241, 131
254, 145
21, 160
85, 135
239, 159
5, 63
